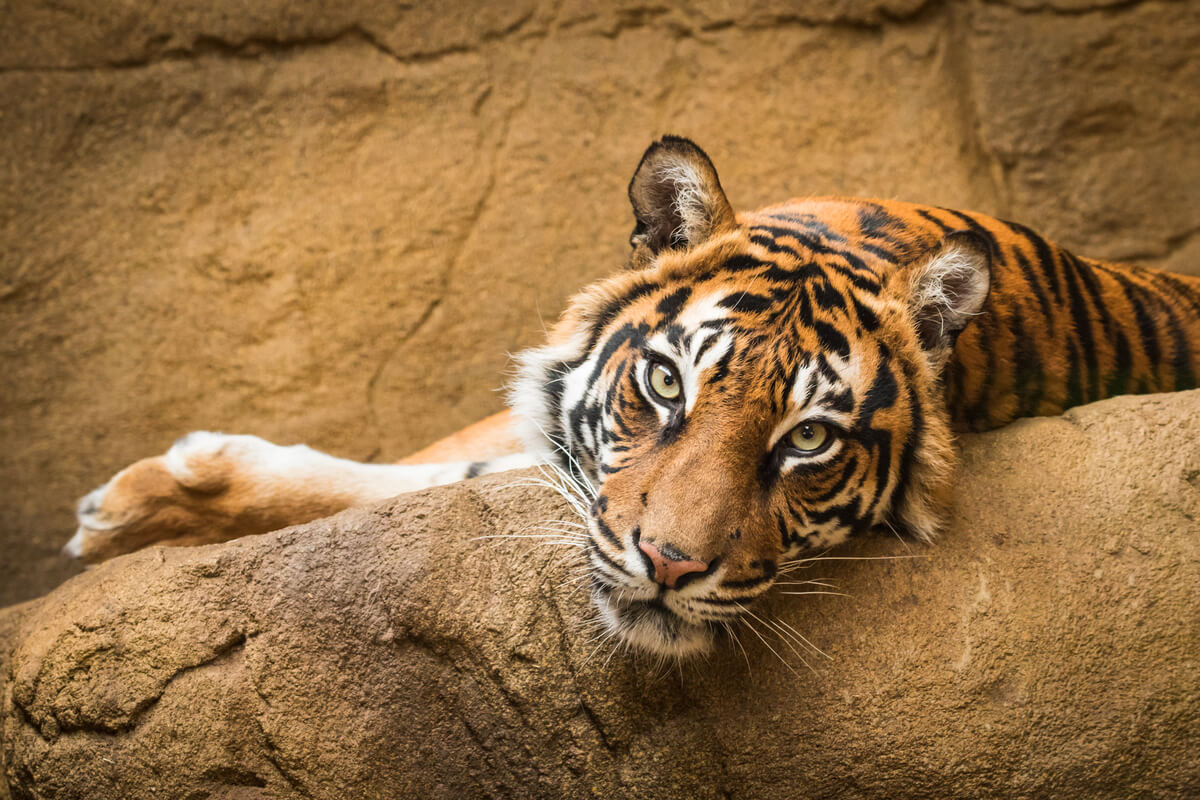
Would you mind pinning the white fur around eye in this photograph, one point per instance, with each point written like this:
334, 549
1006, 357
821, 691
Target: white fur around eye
793, 459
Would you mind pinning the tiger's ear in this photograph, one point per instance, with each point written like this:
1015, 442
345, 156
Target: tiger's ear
947, 288
677, 199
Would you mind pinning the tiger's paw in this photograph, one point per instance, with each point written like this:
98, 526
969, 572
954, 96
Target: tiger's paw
191, 495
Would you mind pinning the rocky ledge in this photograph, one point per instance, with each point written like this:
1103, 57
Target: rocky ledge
1047, 645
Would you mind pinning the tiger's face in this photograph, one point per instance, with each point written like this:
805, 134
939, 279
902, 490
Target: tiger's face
753, 388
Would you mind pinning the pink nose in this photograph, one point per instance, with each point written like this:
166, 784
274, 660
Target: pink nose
669, 567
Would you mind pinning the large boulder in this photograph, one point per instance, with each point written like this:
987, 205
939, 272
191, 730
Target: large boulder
329, 222
1047, 645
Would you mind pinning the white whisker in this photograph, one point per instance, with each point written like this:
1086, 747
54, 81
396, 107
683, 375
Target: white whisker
767, 644
803, 638
782, 637
738, 642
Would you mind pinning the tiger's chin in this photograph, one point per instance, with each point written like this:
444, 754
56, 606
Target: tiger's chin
650, 627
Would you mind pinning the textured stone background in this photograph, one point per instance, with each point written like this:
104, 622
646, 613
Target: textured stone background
330, 225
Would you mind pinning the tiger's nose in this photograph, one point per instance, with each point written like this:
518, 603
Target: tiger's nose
669, 564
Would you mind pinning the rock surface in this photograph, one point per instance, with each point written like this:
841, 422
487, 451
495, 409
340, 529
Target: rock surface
1047, 645
330, 222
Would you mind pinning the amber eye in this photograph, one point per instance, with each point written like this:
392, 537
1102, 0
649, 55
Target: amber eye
664, 382
810, 437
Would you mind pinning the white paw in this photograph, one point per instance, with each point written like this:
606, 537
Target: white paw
161, 498
205, 461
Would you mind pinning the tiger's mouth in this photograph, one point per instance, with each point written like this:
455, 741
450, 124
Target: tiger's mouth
648, 624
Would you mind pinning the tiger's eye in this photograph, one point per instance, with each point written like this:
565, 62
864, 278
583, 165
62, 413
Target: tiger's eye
664, 382
809, 436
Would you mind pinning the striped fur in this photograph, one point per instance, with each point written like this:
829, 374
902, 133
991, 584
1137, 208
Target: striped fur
866, 316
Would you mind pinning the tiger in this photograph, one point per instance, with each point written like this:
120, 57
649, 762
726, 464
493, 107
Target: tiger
750, 388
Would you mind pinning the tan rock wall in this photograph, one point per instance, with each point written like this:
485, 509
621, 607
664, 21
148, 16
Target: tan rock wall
1048, 645
329, 222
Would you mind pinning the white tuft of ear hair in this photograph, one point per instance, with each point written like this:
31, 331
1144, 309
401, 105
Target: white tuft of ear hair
949, 289
690, 201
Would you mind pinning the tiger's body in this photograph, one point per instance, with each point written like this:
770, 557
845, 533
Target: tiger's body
1061, 330
754, 386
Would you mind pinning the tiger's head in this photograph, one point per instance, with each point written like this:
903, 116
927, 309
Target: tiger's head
752, 387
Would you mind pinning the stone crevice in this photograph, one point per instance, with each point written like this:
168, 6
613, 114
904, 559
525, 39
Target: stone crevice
53, 723
1051, 7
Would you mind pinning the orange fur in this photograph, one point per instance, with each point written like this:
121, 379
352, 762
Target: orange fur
489, 438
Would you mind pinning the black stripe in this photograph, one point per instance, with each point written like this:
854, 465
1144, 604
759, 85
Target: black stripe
785, 535
808, 240
867, 282
840, 484
882, 252
883, 393
1027, 364
827, 371
846, 515
721, 370
672, 304
607, 532
873, 222
827, 296
985, 325
1181, 359
1083, 332
604, 557
1045, 257
1120, 379
866, 317
831, 339
977, 228
843, 401
774, 246
811, 223
1091, 283
1038, 290
613, 308
908, 452
1188, 294
1074, 379
1147, 330
748, 583
804, 308
742, 263
929, 216
704, 347
747, 303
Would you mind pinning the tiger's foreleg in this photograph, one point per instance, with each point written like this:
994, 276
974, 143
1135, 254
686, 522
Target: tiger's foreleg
211, 487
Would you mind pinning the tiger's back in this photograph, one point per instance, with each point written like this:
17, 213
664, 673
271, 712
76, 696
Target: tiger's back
1057, 331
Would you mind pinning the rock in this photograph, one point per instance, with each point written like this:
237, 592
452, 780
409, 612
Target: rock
1047, 645
329, 222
